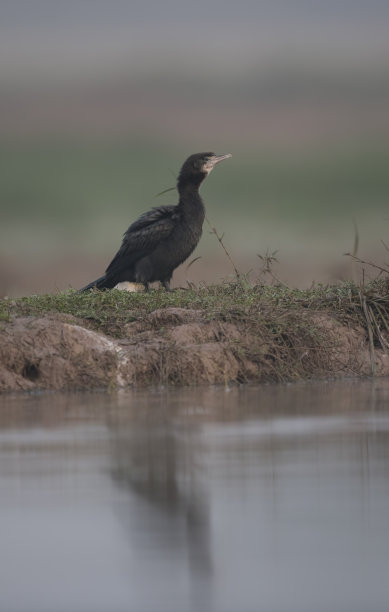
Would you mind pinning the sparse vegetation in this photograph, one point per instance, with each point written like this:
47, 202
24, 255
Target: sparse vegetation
107, 311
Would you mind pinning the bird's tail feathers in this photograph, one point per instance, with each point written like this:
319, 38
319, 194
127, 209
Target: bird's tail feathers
103, 282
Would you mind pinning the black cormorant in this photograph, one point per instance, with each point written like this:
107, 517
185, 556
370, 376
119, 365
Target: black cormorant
161, 239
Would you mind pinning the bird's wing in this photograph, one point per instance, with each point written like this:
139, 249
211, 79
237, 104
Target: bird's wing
143, 236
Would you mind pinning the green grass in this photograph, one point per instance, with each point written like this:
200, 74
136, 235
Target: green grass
108, 311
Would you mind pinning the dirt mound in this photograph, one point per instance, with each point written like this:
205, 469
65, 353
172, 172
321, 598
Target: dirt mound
172, 345
50, 353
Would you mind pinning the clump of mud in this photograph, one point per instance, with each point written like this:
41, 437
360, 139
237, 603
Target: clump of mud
181, 346
51, 353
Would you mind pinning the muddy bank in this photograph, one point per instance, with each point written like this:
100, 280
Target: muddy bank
180, 346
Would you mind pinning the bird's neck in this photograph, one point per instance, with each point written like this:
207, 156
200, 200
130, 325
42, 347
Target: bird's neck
190, 199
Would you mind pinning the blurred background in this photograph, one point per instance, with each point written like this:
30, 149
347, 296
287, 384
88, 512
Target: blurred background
101, 102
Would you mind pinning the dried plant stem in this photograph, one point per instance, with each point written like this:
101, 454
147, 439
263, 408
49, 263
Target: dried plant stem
383, 342
368, 263
385, 245
369, 329
268, 260
220, 239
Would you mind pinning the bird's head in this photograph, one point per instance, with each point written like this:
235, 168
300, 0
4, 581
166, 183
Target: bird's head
198, 166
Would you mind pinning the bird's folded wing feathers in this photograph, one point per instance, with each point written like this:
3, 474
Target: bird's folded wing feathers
143, 236
161, 215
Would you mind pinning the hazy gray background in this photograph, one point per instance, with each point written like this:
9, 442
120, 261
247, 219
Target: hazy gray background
102, 101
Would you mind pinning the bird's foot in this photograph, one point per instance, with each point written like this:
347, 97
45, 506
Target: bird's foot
166, 284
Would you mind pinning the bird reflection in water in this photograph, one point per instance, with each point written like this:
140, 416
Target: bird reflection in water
158, 464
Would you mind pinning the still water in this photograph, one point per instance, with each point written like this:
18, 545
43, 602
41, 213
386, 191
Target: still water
252, 499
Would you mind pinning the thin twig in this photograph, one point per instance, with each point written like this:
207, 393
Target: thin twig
220, 239
161, 193
368, 263
268, 260
385, 245
356, 238
382, 315
369, 330
382, 340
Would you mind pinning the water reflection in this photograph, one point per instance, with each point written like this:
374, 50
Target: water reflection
273, 498
158, 466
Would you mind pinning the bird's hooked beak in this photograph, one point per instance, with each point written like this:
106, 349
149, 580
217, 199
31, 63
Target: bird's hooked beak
215, 159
